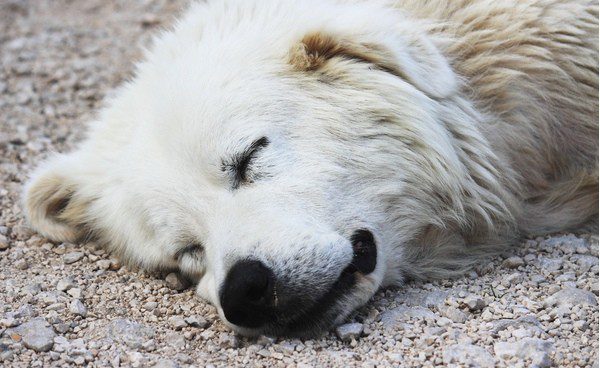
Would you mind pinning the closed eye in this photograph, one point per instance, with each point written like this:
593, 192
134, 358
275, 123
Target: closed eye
240, 163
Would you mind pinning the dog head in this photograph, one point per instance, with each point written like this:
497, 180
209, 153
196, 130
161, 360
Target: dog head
280, 154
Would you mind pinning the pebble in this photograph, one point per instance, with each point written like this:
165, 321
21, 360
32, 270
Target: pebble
21, 264
549, 264
584, 262
22, 232
166, 363
177, 322
349, 331
150, 306
455, 314
513, 278
175, 340
78, 308
36, 335
72, 257
474, 303
74, 292
176, 282
131, 333
443, 322
467, 355
104, 264
534, 349
530, 322
570, 297
513, 262
65, 284
3, 243
196, 321
393, 318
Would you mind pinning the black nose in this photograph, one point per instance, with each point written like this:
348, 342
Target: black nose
365, 253
247, 294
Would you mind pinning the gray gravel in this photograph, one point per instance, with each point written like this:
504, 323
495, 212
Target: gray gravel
72, 304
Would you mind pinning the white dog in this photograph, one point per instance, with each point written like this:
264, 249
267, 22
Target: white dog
295, 156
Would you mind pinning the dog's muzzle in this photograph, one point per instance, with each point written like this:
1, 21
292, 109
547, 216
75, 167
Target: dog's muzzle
249, 295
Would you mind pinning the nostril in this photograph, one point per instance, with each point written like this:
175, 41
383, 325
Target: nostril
246, 293
365, 252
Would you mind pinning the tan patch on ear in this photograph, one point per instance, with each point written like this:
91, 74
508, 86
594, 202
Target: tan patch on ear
316, 49
53, 208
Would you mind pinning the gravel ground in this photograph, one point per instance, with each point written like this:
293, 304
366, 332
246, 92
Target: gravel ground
71, 304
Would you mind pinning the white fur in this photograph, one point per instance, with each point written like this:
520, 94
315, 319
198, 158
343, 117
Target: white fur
402, 155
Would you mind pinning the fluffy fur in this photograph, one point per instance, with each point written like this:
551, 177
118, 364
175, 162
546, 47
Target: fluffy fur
446, 128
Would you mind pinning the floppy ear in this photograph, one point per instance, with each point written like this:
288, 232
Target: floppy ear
406, 54
52, 200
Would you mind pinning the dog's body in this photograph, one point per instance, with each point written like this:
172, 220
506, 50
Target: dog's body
315, 151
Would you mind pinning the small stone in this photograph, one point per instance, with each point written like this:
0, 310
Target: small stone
349, 331
467, 355
454, 314
104, 264
61, 327
21, 264
565, 277
72, 257
76, 307
513, 262
474, 303
264, 352
521, 333
196, 321
115, 265
513, 278
166, 363
228, 341
149, 306
529, 322
3, 243
149, 345
175, 340
394, 319
61, 344
585, 262
8, 322
36, 335
549, 264
22, 232
65, 284
443, 322
176, 282
136, 359
570, 297
529, 258
537, 350
581, 325
75, 293
131, 333
177, 322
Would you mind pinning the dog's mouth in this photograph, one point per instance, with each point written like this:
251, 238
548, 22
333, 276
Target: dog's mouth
302, 315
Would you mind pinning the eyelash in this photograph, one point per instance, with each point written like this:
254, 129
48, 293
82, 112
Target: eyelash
240, 164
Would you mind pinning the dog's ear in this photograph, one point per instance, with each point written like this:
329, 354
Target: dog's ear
406, 54
52, 199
